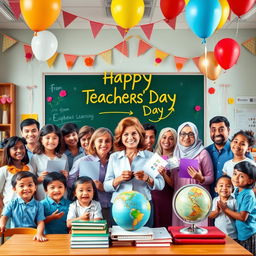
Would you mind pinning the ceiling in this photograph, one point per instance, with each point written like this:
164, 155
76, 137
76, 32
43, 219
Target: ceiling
96, 10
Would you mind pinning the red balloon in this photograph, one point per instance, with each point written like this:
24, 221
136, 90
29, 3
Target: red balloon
171, 8
241, 7
227, 52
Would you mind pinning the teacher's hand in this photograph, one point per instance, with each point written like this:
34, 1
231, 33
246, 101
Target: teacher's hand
197, 175
126, 175
140, 175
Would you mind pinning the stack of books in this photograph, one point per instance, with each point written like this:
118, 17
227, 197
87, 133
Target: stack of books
214, 236
89, 234
161, 238
122, 237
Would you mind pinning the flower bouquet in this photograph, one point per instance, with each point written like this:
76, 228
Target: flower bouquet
5, 100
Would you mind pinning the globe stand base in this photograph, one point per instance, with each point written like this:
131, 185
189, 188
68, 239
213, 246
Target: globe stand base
193, 230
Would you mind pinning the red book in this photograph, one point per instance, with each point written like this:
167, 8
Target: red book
213, 232
199, 241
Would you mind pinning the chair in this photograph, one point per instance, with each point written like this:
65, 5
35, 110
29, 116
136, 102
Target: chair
13, 231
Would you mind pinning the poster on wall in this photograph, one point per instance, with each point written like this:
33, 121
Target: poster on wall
245, 119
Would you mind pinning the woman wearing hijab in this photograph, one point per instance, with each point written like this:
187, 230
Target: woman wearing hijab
189, 146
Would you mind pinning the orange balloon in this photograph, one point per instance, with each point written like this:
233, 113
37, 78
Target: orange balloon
209, 66
40, 14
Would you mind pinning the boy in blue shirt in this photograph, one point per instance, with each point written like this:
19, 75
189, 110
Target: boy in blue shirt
243, 179
24, 211
55, 205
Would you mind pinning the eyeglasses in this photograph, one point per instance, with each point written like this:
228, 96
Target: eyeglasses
190, 134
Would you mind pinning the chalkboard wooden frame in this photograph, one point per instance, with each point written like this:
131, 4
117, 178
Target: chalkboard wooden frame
194, 115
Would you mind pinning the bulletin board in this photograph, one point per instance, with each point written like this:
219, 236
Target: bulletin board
102, 100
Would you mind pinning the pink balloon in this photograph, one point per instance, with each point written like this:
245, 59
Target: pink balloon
241, 7
171, 8
227, 52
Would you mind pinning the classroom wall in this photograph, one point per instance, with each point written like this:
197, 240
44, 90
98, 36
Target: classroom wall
238, 81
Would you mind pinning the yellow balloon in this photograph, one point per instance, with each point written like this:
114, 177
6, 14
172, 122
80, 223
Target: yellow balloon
209, 66
186, 2
224, 13
40, 14
127, 13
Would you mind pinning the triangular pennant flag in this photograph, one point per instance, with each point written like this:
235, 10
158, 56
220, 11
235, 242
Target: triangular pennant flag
160, 56
107, 56
143, 47
28, 52
196, 61
250, 45
89, 60
7, 42
15, 7
95, 27
171, 22
179, 62
122, 31
122, 47
147, 29
70, 60
51, 61
68, 18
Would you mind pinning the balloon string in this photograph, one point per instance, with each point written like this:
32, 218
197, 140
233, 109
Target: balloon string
237, 26
205, 58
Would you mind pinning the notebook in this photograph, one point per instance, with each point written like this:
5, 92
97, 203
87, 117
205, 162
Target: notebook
199, 241
118, 233
213, 232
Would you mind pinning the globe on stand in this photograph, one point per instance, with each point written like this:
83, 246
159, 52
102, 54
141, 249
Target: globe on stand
192, 204
131, 210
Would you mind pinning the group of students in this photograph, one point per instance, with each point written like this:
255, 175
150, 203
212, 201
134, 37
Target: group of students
66, 197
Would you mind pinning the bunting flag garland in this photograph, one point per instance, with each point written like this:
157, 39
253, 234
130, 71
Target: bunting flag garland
107, 56
15, 7
51, 61
7, 42
171, 23
68, 18
122, 47
89, 60
143, 47
160, 56
147, 29
70, 60
196, 61
250, 45
28, 52
96, 27
180, 62
122, 31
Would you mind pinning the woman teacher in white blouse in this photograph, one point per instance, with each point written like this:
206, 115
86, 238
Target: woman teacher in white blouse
125, 168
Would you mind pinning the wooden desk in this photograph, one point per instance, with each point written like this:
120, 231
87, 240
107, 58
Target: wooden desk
59, 245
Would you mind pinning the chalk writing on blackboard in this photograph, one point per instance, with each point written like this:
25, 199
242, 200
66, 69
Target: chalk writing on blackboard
102, 100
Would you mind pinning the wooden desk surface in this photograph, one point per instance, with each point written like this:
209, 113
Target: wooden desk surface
59, 245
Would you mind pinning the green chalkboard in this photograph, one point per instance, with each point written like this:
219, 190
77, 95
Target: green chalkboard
102, 100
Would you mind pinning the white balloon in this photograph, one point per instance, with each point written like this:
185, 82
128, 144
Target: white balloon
44, 45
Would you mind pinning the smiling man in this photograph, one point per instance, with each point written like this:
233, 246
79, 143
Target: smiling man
220, 150
150, 136
30, 130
